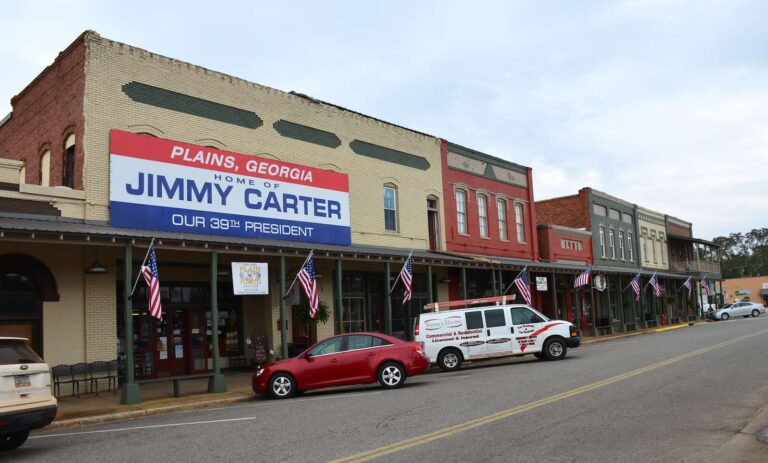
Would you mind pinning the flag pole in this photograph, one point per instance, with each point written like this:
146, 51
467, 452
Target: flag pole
513, 281
142, 265
311, 251
398, 275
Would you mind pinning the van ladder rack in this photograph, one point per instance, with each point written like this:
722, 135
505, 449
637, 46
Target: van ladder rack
436, 306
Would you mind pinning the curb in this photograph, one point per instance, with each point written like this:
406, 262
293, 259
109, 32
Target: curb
639, 332
71, 423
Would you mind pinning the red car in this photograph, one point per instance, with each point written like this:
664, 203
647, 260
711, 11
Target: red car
354, 358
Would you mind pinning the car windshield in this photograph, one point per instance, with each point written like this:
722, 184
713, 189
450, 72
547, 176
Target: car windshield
728, 306
13, 351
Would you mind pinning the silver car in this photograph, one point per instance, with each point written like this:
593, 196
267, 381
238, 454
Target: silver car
739, 309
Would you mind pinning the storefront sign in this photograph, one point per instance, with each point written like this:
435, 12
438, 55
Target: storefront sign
765, 285
600, 282
541, 283
743, 292
160, 184
250, 278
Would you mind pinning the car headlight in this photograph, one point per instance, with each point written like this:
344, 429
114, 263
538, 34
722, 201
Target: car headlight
259, 372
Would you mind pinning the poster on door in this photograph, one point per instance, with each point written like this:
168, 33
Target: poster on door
250, 278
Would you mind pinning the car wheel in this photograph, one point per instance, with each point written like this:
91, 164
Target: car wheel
282, 386
449, 360
724, 316
755, 313
555, 349
391, 375
12, 440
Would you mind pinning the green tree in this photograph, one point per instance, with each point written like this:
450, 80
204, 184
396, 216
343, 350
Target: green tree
744, 254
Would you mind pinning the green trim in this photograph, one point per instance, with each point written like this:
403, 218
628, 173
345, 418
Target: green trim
477, 155
305, 133
389, 155
187, 104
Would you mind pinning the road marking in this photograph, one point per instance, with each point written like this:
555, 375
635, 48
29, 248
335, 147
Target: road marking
195, 423
673, 327
488, 419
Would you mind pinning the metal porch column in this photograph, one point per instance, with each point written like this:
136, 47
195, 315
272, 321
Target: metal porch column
283, 322
388, 304
129, 393
216, 383
339, 299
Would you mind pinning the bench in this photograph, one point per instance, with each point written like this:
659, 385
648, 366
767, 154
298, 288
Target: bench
652, 323
630, 327
674, 321
176, 380
608, 329
238, 362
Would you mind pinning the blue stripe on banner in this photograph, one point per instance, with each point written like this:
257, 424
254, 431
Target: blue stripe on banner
214, 223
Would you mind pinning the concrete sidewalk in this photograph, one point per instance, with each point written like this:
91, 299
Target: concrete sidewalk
157, 398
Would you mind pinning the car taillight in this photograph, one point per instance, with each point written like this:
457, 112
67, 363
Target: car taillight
419, 348
416, 330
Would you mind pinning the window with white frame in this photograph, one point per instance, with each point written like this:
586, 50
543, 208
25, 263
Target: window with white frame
612, 238
501, 205
602, 242
519, 224
390, 208
45, 169
482, 213
630, 247
461, 211
663, 244
621, 244
653, 245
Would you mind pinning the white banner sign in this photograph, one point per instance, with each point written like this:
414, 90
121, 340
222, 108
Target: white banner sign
250, 278
541, 283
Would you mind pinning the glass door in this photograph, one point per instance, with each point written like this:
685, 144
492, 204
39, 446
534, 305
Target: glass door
178, 353
198, 341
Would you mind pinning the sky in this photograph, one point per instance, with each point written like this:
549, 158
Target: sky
661, 103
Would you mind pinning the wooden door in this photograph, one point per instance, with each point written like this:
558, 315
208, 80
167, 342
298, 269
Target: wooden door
197, 341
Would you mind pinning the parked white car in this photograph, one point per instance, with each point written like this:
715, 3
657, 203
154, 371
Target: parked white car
739, 309
26, 402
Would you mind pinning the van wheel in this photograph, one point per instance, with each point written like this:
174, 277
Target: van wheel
555, 349
12, 440
449, 360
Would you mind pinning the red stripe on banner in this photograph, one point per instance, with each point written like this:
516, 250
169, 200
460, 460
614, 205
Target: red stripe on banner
185, 154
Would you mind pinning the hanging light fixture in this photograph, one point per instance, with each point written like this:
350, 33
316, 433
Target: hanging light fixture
96, 268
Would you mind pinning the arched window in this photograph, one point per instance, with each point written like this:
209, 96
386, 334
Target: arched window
602, 242
390, 207
45, 169
501, 205
612, 238
519, 223
461, 211
630, 247
68, 169
621, 244
482, 213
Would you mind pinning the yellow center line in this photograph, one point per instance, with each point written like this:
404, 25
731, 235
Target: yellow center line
488, 419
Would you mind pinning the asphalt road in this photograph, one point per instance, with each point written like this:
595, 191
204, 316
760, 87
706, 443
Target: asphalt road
675, 396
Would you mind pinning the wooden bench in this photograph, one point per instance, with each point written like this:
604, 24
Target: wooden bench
651, 323
630, 327
674, 321
176, 380
608, 329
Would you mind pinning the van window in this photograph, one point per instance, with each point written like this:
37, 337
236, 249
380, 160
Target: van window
474, 320
523, 315
494, 317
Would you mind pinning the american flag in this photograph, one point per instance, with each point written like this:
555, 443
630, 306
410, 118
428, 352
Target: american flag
688, 285
523, 282
406, 274
636, 286
582, 279
654, 282
152, 278
704, 283
307, 279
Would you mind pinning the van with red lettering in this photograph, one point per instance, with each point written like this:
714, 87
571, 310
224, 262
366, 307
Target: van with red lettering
450, 337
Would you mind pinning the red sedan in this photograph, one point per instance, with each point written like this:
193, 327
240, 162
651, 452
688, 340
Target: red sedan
355, 358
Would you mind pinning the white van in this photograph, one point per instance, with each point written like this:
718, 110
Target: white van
452, 336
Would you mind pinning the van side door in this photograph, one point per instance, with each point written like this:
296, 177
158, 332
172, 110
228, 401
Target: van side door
473, 338
498, 336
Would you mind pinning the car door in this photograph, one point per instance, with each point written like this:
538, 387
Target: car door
360, 358
498, 335
323, 365
739, 309
530, 330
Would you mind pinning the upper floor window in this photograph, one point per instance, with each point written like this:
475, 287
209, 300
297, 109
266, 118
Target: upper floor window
390, 207
645, 247
501, 205
68, 169
614, 214
626, 217
519, 224
45, 169
653, 246
599, 210
630, 247
621, 244
461, 211
482, 212
612, 238
602, 242
663, 245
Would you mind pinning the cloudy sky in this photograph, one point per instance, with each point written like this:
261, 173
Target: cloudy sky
661, 103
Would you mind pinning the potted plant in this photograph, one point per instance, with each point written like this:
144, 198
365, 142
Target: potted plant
323, 314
